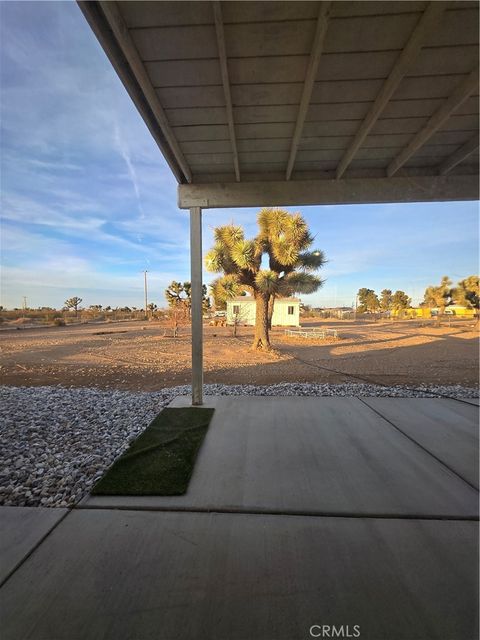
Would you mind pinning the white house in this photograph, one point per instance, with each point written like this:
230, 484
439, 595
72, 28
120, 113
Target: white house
286, 311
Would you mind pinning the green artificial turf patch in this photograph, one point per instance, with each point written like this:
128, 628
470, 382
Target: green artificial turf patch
160, 461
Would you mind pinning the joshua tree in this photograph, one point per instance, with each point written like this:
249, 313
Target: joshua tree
285, 239
225, 288
180, 295
439, 296
73, 303
175, 294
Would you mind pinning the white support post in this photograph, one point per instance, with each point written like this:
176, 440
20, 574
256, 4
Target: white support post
197, 311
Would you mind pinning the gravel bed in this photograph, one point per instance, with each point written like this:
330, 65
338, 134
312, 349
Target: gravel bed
56, 442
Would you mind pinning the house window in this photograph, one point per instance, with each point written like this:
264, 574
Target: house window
236, 309
290, 311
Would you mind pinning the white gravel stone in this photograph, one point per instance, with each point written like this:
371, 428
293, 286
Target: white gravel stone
56, 442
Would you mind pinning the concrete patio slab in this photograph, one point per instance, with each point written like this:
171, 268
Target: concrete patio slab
475, 401
310, 455
448, 429
143, 575
21, 529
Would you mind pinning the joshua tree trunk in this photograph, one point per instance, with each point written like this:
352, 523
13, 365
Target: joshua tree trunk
261, 340
271, 303
440, 314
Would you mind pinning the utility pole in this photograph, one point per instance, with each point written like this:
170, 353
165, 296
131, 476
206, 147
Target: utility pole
145, 289
356, 305
24, 305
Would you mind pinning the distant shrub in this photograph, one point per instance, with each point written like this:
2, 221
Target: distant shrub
59, 322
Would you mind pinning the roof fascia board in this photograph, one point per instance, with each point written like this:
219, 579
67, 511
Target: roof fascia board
318, 192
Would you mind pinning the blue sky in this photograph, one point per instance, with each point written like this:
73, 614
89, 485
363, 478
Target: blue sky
88, 202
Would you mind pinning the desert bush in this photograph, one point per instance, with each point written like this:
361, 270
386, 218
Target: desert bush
59, 322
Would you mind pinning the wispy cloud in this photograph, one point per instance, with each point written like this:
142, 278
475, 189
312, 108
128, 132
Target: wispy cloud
88, 201
125, 153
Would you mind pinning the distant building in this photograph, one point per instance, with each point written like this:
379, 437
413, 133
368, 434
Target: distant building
286, 311
411, 312
335, 312
428, 312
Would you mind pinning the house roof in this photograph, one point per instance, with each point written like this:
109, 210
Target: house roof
292, 102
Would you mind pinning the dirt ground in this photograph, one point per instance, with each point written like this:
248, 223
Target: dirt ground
144, 356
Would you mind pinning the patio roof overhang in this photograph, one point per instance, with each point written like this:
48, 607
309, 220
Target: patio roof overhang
303, 102
300, 103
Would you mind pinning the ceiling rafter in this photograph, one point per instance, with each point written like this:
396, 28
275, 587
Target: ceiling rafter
120, 30
458, 97
314, 61
222, 52
459, 155
426, 25
161, 39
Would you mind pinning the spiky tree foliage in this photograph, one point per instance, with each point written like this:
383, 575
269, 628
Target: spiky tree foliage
179, 295
467, 292
175, 294
286, 238
439, 296
283, 237
225, 288
73, 303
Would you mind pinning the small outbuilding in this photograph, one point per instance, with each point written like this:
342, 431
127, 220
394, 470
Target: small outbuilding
286, 311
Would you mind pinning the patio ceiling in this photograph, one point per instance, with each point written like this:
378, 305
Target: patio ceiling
307, 102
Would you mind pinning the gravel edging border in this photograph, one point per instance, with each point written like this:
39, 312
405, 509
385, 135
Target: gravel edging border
56, 442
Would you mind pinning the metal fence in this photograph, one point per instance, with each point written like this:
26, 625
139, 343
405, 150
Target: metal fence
314, 332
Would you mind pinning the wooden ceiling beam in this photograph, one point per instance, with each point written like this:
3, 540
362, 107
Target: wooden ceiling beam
311, 74
222, 52
459, 155
458, 97
429, 21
